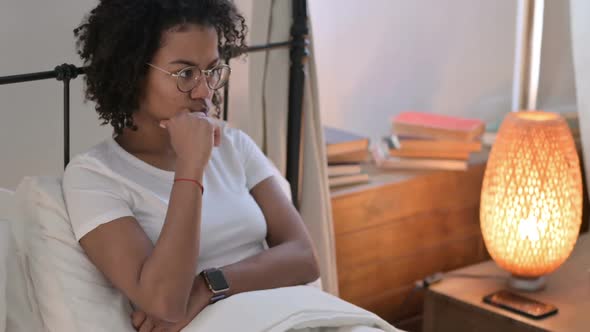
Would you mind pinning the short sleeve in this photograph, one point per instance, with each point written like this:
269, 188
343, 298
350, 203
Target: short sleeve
92, 198
256, 165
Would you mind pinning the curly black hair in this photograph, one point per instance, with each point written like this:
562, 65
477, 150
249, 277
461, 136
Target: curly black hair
118, 37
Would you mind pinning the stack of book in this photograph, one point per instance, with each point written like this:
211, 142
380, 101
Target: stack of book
430, 141
346, 152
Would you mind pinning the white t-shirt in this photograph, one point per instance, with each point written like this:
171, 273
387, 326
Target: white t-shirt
107, 183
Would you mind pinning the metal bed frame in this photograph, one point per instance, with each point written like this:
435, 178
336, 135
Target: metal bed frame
298, 51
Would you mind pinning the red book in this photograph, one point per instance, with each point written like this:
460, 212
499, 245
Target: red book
437, 126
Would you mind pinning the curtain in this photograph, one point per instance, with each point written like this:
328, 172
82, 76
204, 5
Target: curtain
266, 123
580, 30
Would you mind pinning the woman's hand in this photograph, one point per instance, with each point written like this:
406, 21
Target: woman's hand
144, 323
192, 136
199, 299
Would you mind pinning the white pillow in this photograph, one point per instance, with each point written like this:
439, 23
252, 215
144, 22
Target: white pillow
21, 313
71, 293
4, 252
6, 202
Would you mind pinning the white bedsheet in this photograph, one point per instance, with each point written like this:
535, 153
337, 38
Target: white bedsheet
294, 309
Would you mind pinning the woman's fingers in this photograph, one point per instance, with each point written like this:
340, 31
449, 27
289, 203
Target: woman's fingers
147, 326
137, 318
164, 123
217, 136
216, 130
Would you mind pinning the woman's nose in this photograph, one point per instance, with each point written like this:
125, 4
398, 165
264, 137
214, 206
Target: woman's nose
201, 89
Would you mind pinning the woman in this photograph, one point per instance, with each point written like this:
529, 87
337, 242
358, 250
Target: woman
176, 208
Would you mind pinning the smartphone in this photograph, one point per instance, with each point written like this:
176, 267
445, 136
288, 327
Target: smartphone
519, 304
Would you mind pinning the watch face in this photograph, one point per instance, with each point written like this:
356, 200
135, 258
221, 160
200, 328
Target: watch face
217, 280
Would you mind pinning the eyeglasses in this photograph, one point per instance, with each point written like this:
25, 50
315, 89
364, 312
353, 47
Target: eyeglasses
187, 78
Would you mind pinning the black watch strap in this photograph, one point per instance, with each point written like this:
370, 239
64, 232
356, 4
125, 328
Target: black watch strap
217, 297
215, 281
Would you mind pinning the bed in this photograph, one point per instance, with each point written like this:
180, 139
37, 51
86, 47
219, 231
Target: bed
48, 284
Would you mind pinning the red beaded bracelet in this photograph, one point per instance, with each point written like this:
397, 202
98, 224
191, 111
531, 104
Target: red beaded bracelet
193, 181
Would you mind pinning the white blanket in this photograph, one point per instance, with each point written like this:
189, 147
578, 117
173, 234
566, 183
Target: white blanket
283, 309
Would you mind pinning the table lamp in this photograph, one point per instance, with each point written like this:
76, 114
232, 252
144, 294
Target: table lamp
531, 199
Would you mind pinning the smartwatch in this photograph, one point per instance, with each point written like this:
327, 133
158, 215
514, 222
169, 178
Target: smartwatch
215, 280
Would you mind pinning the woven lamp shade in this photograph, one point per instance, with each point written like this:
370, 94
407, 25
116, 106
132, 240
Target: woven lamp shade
531, 200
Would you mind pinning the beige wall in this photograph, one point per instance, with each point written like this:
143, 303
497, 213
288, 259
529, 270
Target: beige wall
557, 90
379, 57
580, 27
376, 58
37, 36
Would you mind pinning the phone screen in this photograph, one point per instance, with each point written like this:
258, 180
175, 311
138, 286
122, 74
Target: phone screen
520, 304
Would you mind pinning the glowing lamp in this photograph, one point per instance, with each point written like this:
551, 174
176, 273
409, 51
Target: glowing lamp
531, 199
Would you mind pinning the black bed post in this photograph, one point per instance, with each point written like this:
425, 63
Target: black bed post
226, 92
299, 51
65, 73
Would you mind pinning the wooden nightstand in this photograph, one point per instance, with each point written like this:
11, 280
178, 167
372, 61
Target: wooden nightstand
401, 227
455, 304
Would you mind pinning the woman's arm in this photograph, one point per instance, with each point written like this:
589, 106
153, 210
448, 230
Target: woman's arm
157, 278
290, 260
